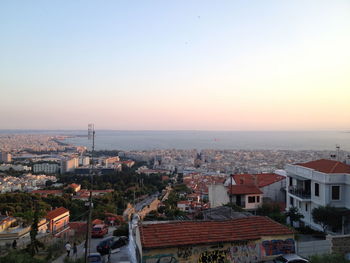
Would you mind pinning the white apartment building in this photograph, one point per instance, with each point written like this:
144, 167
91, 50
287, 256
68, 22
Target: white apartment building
69, 165
317, 183
47, 168
84, 161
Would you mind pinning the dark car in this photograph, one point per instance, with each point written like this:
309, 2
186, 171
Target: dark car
107, 245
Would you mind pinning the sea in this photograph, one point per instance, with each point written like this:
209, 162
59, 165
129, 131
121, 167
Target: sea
223, 140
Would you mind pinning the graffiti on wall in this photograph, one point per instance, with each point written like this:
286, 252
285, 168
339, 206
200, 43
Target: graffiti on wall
249, 253
215, 256
184, 252
276, 247
160, 258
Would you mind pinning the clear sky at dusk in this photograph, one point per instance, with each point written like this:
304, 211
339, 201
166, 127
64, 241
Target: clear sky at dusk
175, 65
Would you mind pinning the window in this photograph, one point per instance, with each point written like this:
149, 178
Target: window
251, 199
291, 200
335, 192
290, 181
299, 204
317, 189
258, 199
306, 207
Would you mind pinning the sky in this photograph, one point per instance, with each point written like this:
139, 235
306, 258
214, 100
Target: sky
175, 65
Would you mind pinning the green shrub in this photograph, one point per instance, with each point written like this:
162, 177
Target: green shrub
122, 230
20, 257
328, 258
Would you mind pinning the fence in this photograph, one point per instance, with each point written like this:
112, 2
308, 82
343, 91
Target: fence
316, 247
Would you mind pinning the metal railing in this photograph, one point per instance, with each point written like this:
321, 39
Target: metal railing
299, 192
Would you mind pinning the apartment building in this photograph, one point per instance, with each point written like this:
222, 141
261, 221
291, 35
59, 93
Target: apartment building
317, 183
47, 168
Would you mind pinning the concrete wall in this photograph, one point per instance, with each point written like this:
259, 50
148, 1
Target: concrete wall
253, 206
243, 252
218, 195
274, 191
315, 247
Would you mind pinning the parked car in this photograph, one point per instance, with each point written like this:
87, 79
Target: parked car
290, 258
99, 230
95, 258
107, 245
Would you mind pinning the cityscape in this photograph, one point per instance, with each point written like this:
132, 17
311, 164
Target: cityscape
174, 131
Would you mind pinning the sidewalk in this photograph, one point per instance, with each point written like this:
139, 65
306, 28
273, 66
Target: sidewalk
81, 250
80, 254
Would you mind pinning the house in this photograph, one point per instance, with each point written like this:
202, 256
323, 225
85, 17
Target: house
248, 190
184, 205
58, 220
272, 185
191, 206
249, 197
11, 229
76, 187
250, 239
317, 183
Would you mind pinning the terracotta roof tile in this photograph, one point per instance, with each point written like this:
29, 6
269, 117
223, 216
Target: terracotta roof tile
242, 189
327, 166
170, 234
56, 212
261, 180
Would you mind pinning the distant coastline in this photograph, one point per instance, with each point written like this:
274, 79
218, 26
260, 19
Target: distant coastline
219, 140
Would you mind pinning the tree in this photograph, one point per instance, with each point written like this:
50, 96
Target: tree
273, 211
34, 243
294, 215
327, 217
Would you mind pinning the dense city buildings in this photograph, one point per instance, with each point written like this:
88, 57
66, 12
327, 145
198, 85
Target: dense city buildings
221, 197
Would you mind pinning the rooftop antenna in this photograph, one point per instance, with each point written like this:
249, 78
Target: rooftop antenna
91, 136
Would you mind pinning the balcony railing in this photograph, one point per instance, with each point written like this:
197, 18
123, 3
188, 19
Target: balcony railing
299, 192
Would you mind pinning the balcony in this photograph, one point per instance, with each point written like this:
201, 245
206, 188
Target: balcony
303, 194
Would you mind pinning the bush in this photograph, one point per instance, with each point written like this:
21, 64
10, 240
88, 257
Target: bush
20, 257
122, 230
329, 258
306, 230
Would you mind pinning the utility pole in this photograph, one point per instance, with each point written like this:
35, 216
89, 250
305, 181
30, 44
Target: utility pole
91, 136
231, 208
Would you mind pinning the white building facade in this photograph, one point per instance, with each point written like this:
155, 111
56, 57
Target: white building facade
47, 168
317, 183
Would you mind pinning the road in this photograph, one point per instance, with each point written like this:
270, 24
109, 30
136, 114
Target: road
145, 202
120, 256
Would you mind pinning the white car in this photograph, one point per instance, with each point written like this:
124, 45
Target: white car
290, 258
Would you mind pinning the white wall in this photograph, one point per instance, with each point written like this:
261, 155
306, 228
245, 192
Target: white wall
218, 195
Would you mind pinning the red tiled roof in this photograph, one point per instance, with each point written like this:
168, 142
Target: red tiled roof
56, 212
172, 234
261, 180
327, 166
242, 189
